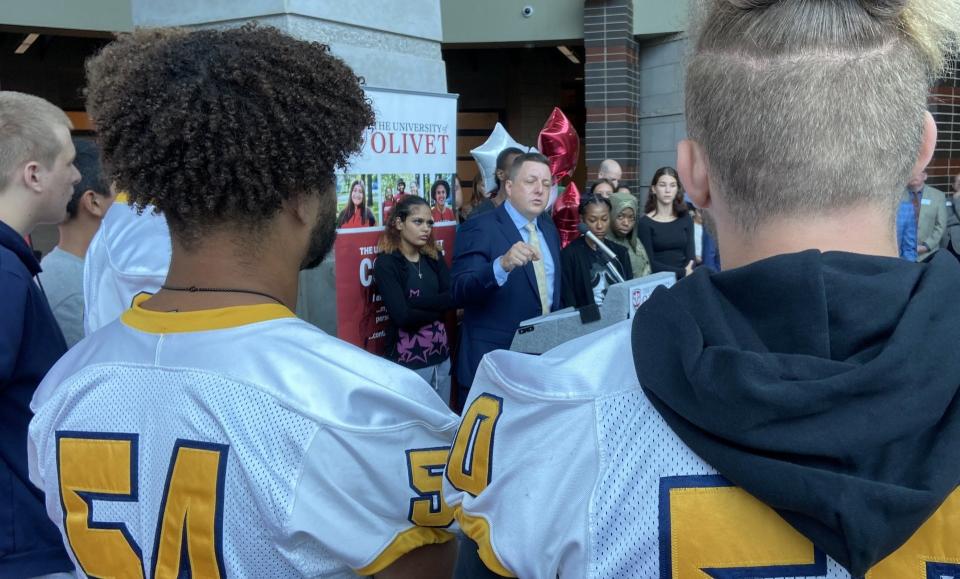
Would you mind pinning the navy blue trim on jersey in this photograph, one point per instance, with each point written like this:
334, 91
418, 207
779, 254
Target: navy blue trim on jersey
941, 570
816, 569
223, 451
89, 497
435, 498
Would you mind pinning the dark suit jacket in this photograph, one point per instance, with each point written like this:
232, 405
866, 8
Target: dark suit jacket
951, 238
491, 314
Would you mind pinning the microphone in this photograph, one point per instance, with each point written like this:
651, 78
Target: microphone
606, 251
584, 230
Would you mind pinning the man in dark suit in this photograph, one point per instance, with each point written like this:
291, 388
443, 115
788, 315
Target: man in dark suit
506, 268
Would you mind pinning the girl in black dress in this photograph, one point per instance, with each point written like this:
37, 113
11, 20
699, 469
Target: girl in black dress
414, 282
666, 230
585, 275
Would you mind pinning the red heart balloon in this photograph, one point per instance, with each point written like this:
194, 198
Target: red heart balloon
560, 143
566, 214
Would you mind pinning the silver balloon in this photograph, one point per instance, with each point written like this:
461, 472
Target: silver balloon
486, 154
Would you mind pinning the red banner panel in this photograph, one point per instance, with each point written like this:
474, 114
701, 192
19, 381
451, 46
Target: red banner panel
361, 316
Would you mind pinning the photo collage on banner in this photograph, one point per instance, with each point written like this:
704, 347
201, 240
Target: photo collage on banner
365, 200
410, 150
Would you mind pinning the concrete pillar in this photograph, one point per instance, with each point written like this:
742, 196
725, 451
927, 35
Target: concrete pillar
391, 44
662, 124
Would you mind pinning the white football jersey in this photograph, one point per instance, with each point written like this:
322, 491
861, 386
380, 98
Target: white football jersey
237, 442
129, 254
561, 466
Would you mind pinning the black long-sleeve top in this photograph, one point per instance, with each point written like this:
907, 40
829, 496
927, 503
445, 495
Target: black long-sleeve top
581, 267
669, 245
411, 314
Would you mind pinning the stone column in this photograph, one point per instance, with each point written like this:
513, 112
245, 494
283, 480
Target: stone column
612, 87
391, 44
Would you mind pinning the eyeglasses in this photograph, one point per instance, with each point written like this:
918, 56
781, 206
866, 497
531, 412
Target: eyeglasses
420, 221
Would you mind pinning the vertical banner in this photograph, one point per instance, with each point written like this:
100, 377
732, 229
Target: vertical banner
410, 150
361, 315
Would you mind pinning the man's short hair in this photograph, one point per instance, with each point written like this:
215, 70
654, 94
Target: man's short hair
502, 164
27, 134
522, 158
606, 165
87, 163
804, 106
221, 126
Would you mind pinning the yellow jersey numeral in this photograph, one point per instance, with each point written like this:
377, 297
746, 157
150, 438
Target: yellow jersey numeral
104, 466
710, 528
425, 469
471, 459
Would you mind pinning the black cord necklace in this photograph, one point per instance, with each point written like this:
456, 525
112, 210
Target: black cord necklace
195, 289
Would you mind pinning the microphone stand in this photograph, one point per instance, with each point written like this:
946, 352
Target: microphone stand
611, 267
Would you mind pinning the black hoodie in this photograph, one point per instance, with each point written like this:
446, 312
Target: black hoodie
826, 385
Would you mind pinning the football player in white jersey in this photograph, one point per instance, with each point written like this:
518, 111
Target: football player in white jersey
208, 432
791, 416
129, 254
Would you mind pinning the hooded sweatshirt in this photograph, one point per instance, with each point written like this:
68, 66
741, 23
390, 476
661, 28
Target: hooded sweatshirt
818, 382
30, 343
639, 262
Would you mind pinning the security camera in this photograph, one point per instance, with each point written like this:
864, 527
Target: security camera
527, 11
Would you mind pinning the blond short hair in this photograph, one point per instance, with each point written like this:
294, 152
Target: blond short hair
803, 106
27, 132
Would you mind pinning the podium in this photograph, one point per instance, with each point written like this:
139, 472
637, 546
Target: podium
537, 335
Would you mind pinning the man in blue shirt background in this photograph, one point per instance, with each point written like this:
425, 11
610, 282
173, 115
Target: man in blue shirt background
907, 230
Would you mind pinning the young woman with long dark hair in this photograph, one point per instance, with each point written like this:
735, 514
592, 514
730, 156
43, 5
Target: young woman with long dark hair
413, 279
585, 275
666, 229
356, 214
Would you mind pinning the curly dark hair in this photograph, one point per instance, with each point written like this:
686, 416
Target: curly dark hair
221, 126
436, 185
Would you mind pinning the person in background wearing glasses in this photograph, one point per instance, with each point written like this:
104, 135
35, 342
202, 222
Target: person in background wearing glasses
413, 279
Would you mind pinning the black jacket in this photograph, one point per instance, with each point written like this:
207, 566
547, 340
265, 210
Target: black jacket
816, 382
390, 273
578, 260
30, 343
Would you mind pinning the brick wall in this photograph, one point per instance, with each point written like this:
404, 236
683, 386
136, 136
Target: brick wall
945, 105
611, 93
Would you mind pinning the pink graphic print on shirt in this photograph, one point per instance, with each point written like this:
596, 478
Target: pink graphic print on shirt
429, 341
